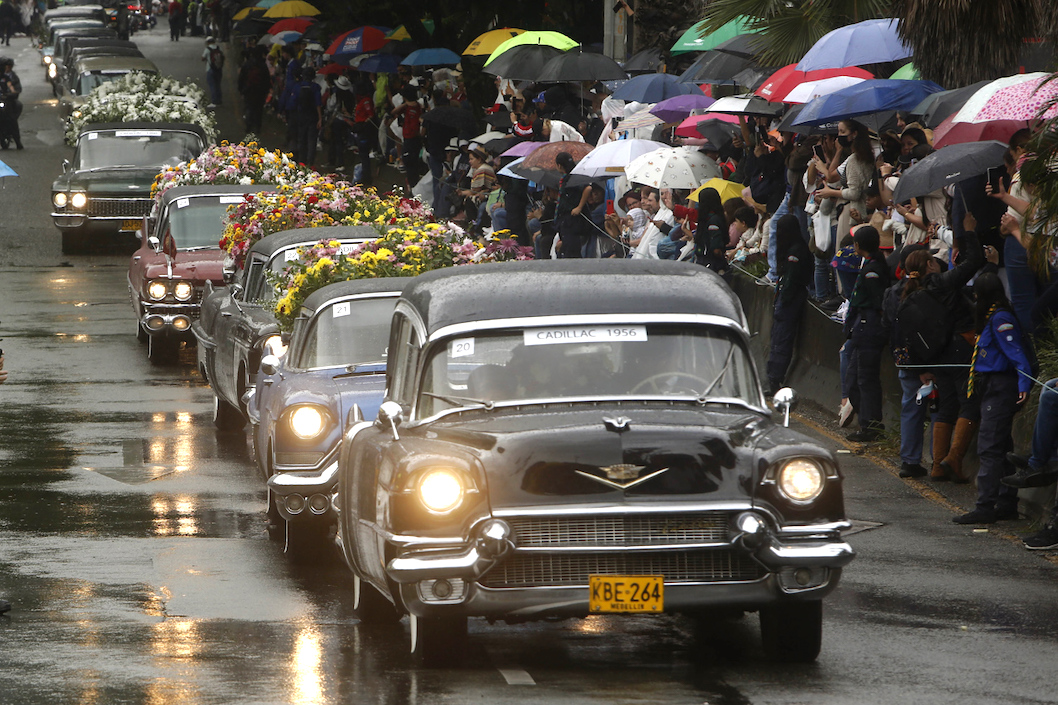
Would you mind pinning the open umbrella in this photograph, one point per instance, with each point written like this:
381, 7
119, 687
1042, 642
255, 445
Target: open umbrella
720, 133
948, 166
673, 167
486, 43
653, 88
379, 63
548, 38
523, 149
431, 57
698, 38
788, 77
949, 132
248, 12
907, 72
488, 136
506, 171
540, 166
859, 44
641, 118
292, 8
689, 126
871, 96
715, 67
291, 24
459, 119
645, 61
522, 62
791, 116
1031, 99
726, 189
357, 41
824, 86
336, 69
578, 65
676, 109
937, 106
5, 170
610, 159
753, 77
745, 45
281, 38
747, 104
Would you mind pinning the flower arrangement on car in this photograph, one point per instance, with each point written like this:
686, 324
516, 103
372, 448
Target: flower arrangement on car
243, 164
403, 251
143, 97
317, 201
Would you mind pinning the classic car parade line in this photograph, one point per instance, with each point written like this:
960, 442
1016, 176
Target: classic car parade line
605, 448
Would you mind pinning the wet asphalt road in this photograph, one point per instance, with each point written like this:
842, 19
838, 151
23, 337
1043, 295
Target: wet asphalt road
134, 549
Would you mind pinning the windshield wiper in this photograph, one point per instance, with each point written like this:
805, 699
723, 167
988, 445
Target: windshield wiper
704, 396
485, 403
370, 368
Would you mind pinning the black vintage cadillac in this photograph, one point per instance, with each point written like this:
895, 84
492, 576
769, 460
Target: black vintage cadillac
565, 439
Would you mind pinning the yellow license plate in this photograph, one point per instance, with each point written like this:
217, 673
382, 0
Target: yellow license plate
131, 225
626, 593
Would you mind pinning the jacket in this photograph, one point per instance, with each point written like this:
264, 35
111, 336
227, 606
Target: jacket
1001, 349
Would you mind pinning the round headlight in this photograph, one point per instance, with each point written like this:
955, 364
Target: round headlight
182, 291
273, 345
801, 480
157, 290
78, 200
306, 422
441, 491
47, 59
52, 71
60, 199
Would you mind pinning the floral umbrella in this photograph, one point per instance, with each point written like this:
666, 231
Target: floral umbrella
610, 159
1027, 100
968, 112
675, 167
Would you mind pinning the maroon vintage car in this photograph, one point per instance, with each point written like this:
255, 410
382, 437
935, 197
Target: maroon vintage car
178, 256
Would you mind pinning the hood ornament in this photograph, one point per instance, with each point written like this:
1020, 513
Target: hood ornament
622, 476
617, 424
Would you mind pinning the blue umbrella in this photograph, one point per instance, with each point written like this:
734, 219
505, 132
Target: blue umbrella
654, 87
867, 42
380, 63
871, 96
432, 57
5, 170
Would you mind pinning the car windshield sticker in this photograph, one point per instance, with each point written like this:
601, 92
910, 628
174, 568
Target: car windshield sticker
346, 248
182, 203
291, 256
584, 334
137, 133
464, 347
340, 309
231, 199
93, 135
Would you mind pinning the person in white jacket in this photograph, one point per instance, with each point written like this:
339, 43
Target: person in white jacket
661, 221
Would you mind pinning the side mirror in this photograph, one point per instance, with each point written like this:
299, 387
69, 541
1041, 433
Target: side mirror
783, 401
269, 364
65, 165
154, 242
390, 414
228, 273
236, 290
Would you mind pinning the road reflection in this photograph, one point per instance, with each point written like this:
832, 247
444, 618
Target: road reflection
306, 672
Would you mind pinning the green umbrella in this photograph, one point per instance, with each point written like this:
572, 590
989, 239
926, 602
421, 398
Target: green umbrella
907, 72
552, 39
692, 39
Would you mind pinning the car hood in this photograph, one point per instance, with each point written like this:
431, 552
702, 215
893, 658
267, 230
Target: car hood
365, 390
575, 456
197, 266
135, 183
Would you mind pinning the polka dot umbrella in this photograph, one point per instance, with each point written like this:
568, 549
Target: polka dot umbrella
674, 167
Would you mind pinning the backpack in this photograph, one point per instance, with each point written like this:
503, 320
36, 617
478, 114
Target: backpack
216, 58
923, 326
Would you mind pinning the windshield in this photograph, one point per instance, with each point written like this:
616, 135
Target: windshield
352, 332
198, 221
136, 148
637, 361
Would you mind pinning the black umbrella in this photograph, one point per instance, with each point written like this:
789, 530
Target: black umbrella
577, 65
754, 77
501, 144
715, 67
718, 132
459, 119
522, 62
646, 61
948, 166
936, 107
745, 45
788, 120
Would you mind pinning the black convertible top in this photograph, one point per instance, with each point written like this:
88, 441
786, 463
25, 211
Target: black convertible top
338, 290
480, 292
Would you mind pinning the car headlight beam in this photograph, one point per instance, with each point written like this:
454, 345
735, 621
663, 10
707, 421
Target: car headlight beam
157, 290
183, 290
60, 199
801, 480
441, 490
273, 345
79, 200
306, 422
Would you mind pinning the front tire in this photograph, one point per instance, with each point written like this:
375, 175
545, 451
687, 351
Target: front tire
141, 335
792, 632
438, 641
226, 417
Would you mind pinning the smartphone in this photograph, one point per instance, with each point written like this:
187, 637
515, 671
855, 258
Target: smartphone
995, 178
818, 151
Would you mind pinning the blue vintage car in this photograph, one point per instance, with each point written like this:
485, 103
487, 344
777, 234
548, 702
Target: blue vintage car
336, 361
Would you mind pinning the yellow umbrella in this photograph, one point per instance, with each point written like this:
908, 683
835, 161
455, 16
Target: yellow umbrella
245, 12
291, 8
400, 34
553, 39
726, 189
486, 43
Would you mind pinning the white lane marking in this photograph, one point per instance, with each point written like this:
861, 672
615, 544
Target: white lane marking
516, 676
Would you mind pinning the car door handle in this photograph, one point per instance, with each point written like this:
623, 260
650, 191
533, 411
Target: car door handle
226, 314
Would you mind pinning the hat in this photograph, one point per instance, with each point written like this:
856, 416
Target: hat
210, 41
314, 46
414, 82
343, 83
539, 98
453, 145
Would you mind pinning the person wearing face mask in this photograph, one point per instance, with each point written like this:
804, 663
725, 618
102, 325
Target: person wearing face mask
857, 165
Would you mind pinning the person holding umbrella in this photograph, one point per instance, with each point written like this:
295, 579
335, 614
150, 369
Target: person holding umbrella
572, 201
856, 155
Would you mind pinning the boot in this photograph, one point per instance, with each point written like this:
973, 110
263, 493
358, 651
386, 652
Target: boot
941, 448
960, 441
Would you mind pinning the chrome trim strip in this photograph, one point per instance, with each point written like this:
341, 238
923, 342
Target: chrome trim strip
653, 548
585, 319
614, 508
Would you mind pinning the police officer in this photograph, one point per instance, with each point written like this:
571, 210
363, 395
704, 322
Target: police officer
796, 268
1000, 376
10, 89
866, 336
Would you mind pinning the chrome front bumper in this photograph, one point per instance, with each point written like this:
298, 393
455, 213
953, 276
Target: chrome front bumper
308, 485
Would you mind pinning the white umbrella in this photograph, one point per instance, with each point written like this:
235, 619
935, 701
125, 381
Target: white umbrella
747, 104
672, 167
486, 137
824, 86
610, 159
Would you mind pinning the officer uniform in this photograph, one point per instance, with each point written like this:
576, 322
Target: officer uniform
795, 276
866, 338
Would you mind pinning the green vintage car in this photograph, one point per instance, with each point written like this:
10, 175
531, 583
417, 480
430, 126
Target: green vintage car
106, 189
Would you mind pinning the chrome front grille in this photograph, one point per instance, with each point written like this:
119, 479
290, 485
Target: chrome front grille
118, 207
615, 531
526, 570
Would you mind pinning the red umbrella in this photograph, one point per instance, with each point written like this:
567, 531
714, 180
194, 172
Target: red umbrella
949, 132
358, 41
291, 24
787, 78
336, 69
